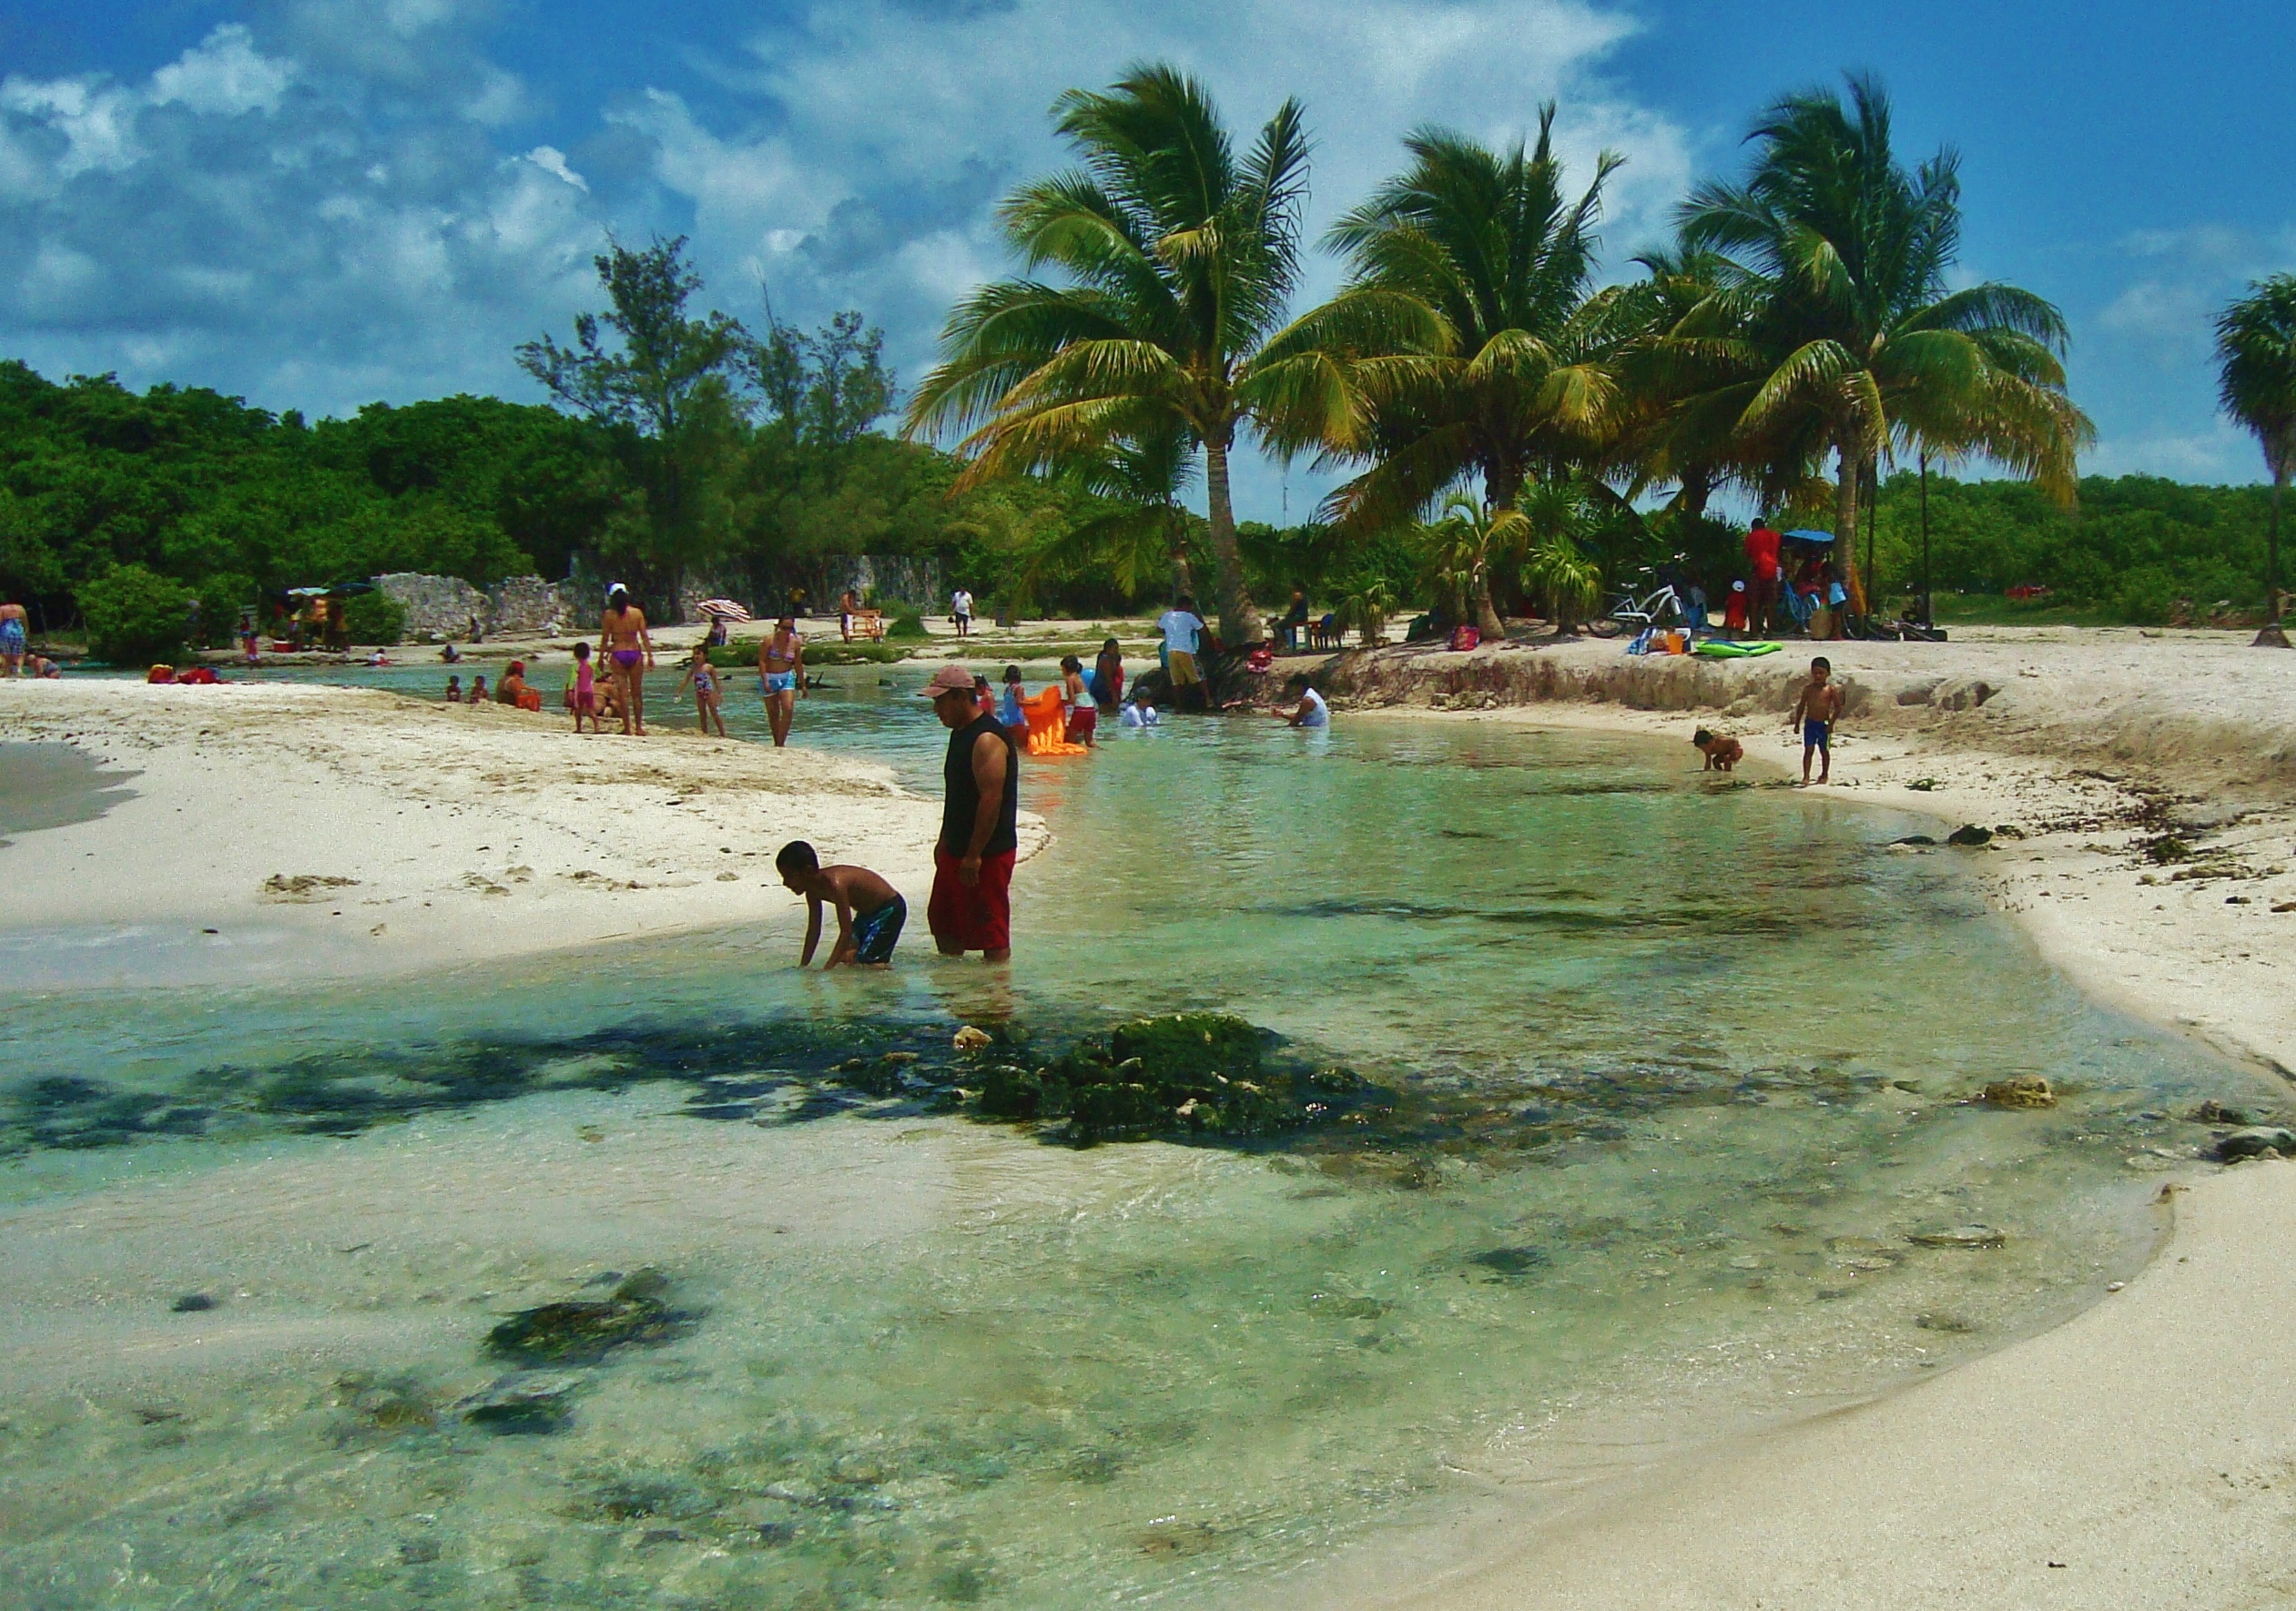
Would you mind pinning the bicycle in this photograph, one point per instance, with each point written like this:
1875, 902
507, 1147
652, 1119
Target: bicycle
1661, 606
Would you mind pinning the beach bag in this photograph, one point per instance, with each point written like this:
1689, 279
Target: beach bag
1465, 637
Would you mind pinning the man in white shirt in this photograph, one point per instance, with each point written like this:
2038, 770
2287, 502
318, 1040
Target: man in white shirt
1182, 628
1311, 711
960, 607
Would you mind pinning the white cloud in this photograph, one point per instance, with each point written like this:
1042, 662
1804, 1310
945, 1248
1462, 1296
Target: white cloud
224, 74
551, 160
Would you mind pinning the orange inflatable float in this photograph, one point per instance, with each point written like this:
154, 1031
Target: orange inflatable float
1048, 724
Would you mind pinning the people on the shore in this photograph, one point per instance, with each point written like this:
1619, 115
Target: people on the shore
454, 690
1734, 609
781, 676
849, 605
512, 690
1083, 713
1722, 755
36, 664
629, 649
581, 690
250, 639
16, 627
451, 654
1108, 677
1762, 561
478, 695
1817, 709
1293, 625
1183, 628
1310, 712
971, 904
869, 911
704, 676
960, 611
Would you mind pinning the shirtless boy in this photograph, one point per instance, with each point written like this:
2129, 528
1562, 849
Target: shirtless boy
629, 650
869, 911
1722, 755
781, 673
1816, 710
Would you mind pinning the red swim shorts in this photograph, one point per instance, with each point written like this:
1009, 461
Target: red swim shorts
975, 918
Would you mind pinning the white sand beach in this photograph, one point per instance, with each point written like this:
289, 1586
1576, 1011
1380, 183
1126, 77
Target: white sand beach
348, 829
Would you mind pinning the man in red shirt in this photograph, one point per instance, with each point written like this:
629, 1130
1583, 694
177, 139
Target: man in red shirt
1762, 557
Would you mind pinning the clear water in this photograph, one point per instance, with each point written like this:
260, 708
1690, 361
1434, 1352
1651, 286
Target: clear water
1685, 1062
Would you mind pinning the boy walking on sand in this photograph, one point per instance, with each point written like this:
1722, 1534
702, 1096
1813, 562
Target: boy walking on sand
1816, 709
869, 911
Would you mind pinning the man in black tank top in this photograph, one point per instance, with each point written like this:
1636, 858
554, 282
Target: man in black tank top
971, 905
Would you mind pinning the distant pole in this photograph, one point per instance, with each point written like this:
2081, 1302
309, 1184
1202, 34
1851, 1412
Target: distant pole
1928, 620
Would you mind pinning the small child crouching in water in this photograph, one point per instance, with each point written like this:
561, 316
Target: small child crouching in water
1722, 755
869, 911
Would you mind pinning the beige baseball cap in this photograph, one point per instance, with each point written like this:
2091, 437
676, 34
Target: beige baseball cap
949, 679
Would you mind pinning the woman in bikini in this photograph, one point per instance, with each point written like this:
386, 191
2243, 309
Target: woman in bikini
781, 670
629, 650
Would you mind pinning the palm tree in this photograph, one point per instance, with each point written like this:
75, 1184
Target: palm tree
1464, 544
2256, 359
1501, 371
1831, 298
1179, 259
1144, 531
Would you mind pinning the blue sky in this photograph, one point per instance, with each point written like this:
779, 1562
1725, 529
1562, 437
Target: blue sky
315, 203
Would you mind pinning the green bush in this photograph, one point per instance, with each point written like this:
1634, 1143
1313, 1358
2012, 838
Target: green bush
2146, 596
221, 598
135, 616
374, 618
907, 625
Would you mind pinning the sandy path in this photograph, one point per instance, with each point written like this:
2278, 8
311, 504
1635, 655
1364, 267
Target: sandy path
343, 830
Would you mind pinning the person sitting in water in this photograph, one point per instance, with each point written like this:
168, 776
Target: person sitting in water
512, 691
1310, 712
984, 696
869, 911
1722, 755
1139, 713
478, 695
454, 690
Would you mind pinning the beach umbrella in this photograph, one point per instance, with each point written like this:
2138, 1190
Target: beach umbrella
722, 609
1805, 535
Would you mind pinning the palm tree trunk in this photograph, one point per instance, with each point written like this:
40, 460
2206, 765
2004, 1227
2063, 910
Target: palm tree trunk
1486, 621
1848, 470
1239, 622
1501, 486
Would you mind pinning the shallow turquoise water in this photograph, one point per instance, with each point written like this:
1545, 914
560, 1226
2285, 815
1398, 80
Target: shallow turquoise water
1687, 1057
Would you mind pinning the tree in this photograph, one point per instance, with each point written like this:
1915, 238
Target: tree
1179, 260
1139, 532
1504, 372
1463, 545
2256, 363
1832, 297
667, 388
827, 388
134, 615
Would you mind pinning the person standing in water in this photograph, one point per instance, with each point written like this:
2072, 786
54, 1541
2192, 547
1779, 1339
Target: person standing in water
781, 676
1182, 628
971, 904
15, 638
629, 650
704, 676
1108, 677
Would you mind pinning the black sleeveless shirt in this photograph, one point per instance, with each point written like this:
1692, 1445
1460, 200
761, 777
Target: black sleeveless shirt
962, 795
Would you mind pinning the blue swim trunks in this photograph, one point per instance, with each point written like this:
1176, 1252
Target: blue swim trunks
1815, 734
11, 636
875, 936
781, 683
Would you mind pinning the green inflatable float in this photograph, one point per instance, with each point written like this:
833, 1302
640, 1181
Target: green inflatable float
1713, 649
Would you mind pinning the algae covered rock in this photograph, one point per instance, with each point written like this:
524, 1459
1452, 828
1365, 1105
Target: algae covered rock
2258, 1141
1182, 1076
528, 1402
2024, 1090
583, 1330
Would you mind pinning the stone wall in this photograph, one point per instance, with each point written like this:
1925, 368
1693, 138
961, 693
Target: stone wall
444, 606
918, 582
